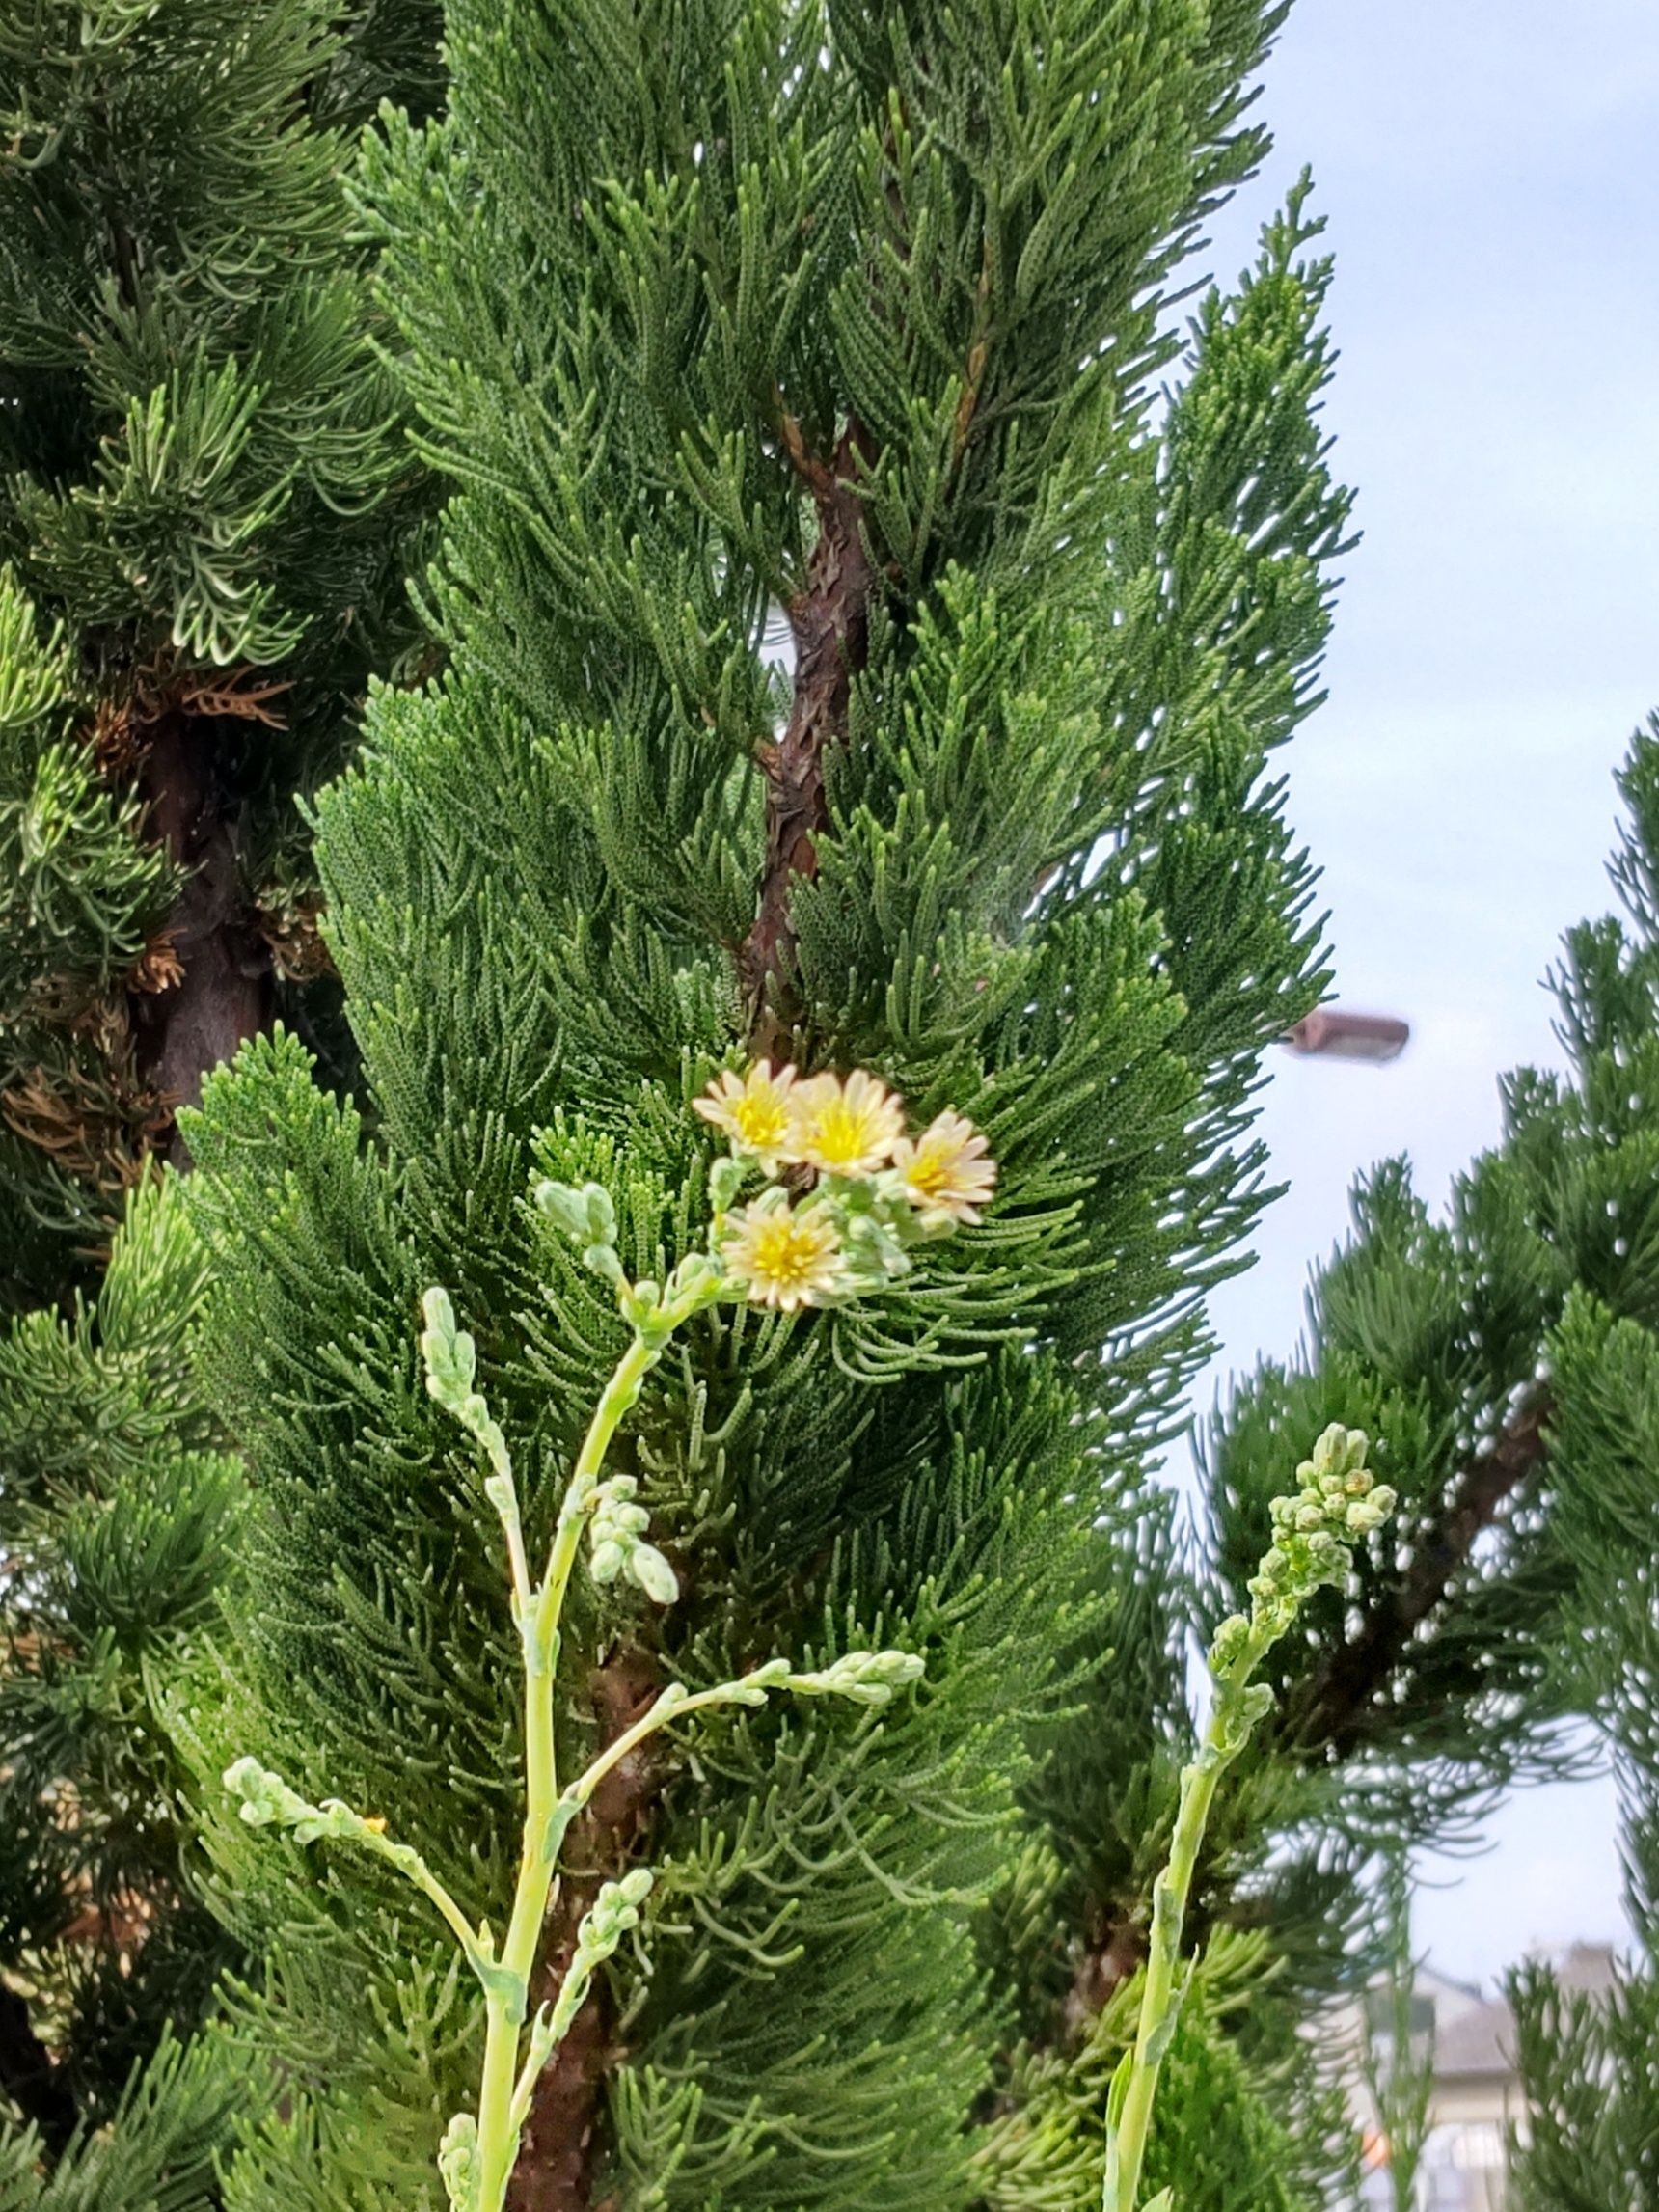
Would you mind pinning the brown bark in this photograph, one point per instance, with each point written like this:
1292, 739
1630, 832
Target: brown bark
1332, 1711
221, 993
1116, 1953
830, 621
556, 2161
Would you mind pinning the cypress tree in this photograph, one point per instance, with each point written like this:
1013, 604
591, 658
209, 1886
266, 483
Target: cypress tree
204, 528
1504, 1361
705, 313
1591, 2134
1588, 2132
205, 510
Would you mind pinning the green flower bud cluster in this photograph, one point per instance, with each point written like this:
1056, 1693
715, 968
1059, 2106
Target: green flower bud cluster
458, 2163
879, 1227
750, 1689
727, 1176
613, 1912
587, 1216
269, 1802
1338, 1502
452, 1362
617, 1546
589, 1219
867, 1678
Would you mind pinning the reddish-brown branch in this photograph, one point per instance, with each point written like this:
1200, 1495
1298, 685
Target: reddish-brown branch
556, 2161
1331, 1713
223, 991
829, 619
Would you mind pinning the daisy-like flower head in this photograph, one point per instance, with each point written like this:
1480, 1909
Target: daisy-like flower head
948, 1172
754, 1109
785, 1256
845, 1128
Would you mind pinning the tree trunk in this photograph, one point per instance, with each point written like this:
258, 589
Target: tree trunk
224, 992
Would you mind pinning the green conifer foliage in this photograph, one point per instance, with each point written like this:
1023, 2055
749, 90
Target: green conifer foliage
206, 500
205, 505
1590, 2065
121, 1513
1504, 1363
708, 310
1590, 2062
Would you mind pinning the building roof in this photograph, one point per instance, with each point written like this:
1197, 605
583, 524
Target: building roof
1480, 2039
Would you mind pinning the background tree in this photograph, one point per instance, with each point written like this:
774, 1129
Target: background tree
207, 505
205, 509
1590, 2065
849, 312
1502, 1359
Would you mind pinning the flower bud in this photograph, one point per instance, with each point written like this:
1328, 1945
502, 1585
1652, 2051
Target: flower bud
1230, 1643
866, 1678
653, 1574
458, 2163
725, 1180
565, 1207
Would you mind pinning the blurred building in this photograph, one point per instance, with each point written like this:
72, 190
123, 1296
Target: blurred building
1476, 2095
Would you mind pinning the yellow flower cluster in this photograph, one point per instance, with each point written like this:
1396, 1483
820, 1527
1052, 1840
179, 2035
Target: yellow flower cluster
848, 1130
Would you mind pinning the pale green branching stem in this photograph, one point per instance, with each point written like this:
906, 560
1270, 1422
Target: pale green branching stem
1231, 1720
479, 2153
506, 1992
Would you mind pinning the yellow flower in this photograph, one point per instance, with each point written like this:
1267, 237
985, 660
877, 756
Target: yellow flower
754, 1109
845, 1128
946, 1172
786, 1257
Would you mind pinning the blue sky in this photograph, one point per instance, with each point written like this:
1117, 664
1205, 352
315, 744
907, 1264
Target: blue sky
1490, 171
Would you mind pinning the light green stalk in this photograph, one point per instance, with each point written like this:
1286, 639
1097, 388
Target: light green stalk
1337, 1503
506, 1991
1232, 1717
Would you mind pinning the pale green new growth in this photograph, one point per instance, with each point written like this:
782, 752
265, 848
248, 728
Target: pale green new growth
617, 1544
1337, 1504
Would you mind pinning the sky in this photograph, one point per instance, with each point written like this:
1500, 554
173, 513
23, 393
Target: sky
1490, 171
